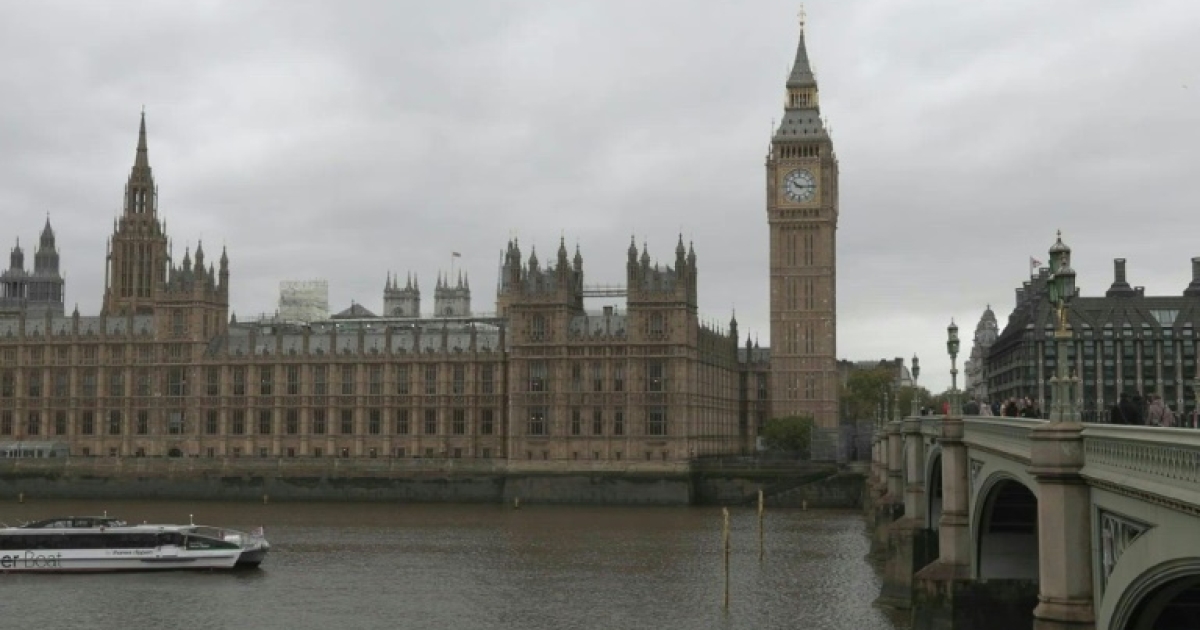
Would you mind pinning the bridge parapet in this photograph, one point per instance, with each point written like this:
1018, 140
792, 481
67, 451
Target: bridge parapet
931, 426
1004, 436
1163, 462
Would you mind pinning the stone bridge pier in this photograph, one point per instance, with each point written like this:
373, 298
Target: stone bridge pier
1012, 523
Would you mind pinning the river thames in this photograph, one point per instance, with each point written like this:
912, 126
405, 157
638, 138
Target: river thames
354, 565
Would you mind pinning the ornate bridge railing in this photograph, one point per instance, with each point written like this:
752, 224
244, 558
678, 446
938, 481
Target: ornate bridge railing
1156, 464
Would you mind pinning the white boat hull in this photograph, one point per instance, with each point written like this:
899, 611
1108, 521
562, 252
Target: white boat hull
113, 560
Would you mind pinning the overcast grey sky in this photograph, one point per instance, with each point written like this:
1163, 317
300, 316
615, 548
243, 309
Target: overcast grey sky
341, 140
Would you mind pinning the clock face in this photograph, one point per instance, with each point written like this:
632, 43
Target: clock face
799, 185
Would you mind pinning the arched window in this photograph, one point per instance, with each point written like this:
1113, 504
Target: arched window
657, 326
537, 329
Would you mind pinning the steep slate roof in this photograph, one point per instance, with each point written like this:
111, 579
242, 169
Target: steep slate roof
1089, 314
355, 311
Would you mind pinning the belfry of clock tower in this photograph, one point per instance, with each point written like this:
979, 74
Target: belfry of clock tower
802, 212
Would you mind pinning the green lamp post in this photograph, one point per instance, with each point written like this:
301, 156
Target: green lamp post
896, 398
1195, 419
952, 348
916, 371
1061, 289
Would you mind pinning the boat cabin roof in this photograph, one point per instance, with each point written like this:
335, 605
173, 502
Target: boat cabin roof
73, 522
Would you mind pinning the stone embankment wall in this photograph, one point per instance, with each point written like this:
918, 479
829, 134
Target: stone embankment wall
453, 481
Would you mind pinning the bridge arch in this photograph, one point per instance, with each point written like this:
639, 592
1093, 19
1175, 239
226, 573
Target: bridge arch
1004, 524
1165, 596
933, 487
1155, 582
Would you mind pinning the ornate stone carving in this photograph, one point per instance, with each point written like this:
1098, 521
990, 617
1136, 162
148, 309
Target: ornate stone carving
976, 466
1116, 534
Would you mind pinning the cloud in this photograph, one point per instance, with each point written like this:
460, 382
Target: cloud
341, 142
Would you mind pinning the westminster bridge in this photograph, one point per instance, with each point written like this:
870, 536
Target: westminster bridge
990, 522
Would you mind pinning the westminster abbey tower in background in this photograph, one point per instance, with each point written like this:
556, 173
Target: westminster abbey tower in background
802, 211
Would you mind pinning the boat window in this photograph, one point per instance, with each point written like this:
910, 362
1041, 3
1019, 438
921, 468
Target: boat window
80, 540
170, 538
201, 542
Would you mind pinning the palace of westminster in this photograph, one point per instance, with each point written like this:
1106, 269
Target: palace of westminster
163, 371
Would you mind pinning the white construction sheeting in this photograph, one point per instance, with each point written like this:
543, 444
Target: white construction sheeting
303, 301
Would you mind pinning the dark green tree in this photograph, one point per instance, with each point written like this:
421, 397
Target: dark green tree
924, 399
864, 391
790, 433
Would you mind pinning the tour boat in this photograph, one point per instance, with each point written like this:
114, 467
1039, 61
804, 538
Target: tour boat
76, 544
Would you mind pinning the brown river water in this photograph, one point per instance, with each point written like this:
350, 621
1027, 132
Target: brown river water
355, 565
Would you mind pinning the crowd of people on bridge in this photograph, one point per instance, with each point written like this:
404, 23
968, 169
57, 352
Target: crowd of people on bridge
1133, 409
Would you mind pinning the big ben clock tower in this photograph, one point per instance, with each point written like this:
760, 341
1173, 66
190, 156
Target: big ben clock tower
802, 211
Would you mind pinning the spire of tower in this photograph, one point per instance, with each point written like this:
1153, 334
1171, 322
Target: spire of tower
802, 74
142, 160
47, 233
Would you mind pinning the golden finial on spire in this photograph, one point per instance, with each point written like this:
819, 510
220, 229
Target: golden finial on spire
802, 15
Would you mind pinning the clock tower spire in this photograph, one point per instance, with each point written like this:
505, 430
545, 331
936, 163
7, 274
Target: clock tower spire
802, 214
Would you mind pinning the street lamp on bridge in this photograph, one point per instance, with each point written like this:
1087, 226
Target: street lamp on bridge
1062, 289
952, 348
916, 371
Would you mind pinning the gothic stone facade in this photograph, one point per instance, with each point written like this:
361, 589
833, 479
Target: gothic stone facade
162, 371
802, 211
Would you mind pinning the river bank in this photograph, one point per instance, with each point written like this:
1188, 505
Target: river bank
784, 484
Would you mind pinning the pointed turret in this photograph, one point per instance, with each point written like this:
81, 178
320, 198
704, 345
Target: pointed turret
142, 159
47, 239
45, 259
801, 119
802, 74
16, 258
140, 191
578, 259
562, 252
